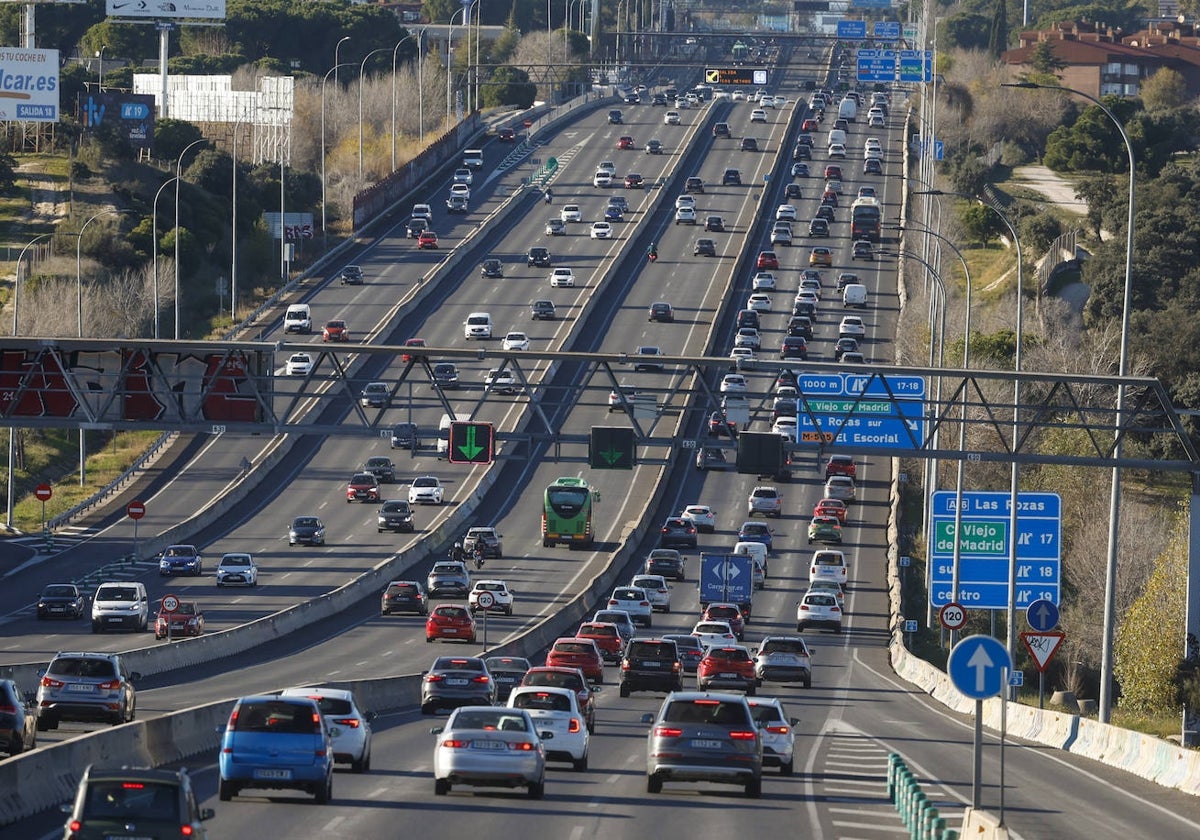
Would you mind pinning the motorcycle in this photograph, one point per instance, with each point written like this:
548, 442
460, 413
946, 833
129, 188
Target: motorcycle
652, 256
478, 559
548, 197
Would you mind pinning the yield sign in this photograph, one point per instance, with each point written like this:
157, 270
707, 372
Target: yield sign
1041, 646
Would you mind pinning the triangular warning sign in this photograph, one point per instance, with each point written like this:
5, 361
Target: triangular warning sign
1041, 646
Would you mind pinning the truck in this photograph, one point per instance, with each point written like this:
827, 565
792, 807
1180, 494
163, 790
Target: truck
727, 578
865, 219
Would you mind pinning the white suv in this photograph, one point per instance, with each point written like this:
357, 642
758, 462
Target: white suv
478, 325
764, 500
502, 596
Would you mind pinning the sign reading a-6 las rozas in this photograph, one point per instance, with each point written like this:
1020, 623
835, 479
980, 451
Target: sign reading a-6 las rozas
28, 85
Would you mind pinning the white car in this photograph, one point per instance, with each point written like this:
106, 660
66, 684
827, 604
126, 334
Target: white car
516, 341
656, 589
785, 212
778, 732
837, 150
562, 278
506, 750
829, 585
426, 490
818, 609
571, 213
786, 427
460, 190
237, 570
811, 285
759, 302
601, 230
555, 711
299, 364
685, 201
763, 281
742, 355
423, 211
828, 564
685, 215
714, 633
501, 381
671, 118
840, 487
852, 326
701, 516
872, 148
633, 600
807, 296
602, 179
502, 596
738, 95
351, 727
607, 166
464, 176
734, 383
747, 337
876, 121
758, 115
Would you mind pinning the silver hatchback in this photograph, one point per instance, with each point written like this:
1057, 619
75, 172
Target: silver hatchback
704, 737
778, 733
86, 687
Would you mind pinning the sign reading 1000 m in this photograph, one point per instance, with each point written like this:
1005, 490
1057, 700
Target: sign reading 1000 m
735, 76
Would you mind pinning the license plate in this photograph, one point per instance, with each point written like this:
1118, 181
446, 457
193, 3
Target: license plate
705, 744
506, 679
58, 609
112, 619
273, 774
730, 676
488, 745
81, 687
650, 664
456, 682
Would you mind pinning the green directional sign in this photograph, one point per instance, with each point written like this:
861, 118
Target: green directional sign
611, 448
846, 406
471, 443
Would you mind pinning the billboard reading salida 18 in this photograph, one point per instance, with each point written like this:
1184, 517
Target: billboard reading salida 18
735, 76
28, 85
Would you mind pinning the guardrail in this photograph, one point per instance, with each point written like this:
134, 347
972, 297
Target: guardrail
104, 493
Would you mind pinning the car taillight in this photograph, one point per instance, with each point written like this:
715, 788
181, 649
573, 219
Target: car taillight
521, 746
434, 678
110, 685
185, 830
455, 744
835, 609
667, 732
778, 730
482, 678
8, 710
804, 608
645, 603
573, 726
47, 682
353, 723
74, 825
743, 736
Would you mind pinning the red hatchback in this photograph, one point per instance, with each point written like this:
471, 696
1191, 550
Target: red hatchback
411, 342
730, 613
831, 507
606, 636
625, 142
767, 261
335, 331
583, 654
726, 667
427, 239
450, 621
841, 465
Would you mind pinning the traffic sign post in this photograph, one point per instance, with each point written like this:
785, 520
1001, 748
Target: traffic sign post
852, 30
979, 667
1042, 647
135, 510
886, 30
1042, 616
952, 617
43, 493
471, 443
485, 601
168, 605
612, 448
876, 65
735, 76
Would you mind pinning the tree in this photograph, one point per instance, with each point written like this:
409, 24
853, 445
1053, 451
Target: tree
968, 31
8, 173
171, 137
509, 86
998, 33
980, 223
1045, 60
504, 46
1165, 89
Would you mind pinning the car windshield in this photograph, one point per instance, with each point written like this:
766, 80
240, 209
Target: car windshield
128, 800
59, 591
489, 720
306, 522
117, 593
706, 711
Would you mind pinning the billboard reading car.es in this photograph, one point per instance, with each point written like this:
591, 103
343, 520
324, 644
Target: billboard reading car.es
28, 85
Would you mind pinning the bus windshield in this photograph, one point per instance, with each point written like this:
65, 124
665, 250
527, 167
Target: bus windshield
567, 514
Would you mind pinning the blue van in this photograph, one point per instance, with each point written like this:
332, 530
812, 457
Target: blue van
273, 743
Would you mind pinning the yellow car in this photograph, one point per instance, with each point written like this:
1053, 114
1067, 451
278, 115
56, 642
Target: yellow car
821, 256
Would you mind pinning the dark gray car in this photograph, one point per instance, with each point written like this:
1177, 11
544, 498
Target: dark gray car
448, 577
395, 515
704, 737
455, 681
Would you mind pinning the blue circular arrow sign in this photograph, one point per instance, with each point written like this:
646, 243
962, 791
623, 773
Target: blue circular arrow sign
977, 666
1042, 615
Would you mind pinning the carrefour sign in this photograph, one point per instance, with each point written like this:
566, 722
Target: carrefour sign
28, 85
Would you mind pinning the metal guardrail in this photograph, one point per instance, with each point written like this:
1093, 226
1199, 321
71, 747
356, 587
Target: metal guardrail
108, 490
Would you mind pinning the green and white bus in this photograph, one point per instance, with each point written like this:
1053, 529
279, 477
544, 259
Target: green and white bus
567, 513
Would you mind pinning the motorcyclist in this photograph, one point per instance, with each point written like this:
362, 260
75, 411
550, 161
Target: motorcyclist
549, 195
478, 554
457, 553
653, 252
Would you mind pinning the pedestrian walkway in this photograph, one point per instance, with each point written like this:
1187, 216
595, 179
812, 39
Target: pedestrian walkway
1057, 190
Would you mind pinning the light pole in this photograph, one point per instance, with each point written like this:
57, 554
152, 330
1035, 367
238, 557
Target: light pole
100, 67
420, 91
464, 11
336, 65
1114, 505
178, 184
79, 294
154, 245
233, 243
324, 235
362, 68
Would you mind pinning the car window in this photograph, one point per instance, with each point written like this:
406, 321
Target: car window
706, 711
274, 716
572, 647
129, 800
334, 705
558, 679
548, 701
117, 593
74, 666
476, 719
765, 715
820, 600
782, 646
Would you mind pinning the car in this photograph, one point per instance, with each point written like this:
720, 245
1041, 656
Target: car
404, 436
395, 515
844, 347
448, 577
781, 234
607, 637
778, 733
559, 721
714, 223
804, 308
571, 213
502, 596
556, 227
426, 489
427, 239
661, 311
826, 213
852, 326
783, 659
607, 166
807, 296
59, 600
825, 529
799, 326
349, 726
415, 225
445, 376
841, 465
542, 310
572, 652
614, 117
702, 516
829, 198
766, 501
756, 532
758, 115
634, 181
818, 609
645, 355
837, 150
867, 192
847, 278
538, 257
694, 184
800, 170
711, 458
748, 317
733, 383
742, 357
450, 621
601, 230
306, 530
501, 381
653, 147
404, 596
748, 144
702, 736
273, 742
351, 275
375, 395
507, 673
831, 507
763, 281
747, 337
363, 487
786, 426
651, 665
685, 215
667, 562
299, 364
710, 633
785, 212
83, 686
635, 601
821, 256
656, 589
721, 130
767, 261
625, 142
688, 650
731, 177
726, 666
862, 250
423, 211
180, 560
834, 172
818, 227
602, 179
873, 145
628, 399
876, 121
506, 135
685, 201
160, 803
464, 175
455, 681
120, 604
187, 619
632, 99
677, 531
517, 760
491, 268
794, 347
853, 358
671, 118
457, 204
792, 191
704, 248
829, 565
729, 613
872, 166
515, 341
719, 424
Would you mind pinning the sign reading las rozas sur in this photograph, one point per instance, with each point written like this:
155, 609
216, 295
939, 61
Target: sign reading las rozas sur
28, 85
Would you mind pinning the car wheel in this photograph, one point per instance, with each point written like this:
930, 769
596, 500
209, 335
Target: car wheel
653, 784
427, 708
226, 790
508, 611
751, 690
785, 769
799, 628
808, 683
580, 765
754, 789
324, 793
440, 787
537, 790
43, 723
360, 765
624, 690
429, 639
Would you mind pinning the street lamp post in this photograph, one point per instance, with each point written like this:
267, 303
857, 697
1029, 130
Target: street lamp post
465, 12
79, 297
100, 67
362, 68
420, 90
324, 235
154, 245
178, 184
1114, 507
336, 65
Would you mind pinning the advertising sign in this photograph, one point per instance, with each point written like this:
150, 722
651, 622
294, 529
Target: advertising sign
166, 9
28, 85
132, 113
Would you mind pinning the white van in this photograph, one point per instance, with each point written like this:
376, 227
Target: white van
828, 564
443, 438
848, 110
756, 550
478, 325
472, 158
855, 294
837, 135
298, 318
120, 604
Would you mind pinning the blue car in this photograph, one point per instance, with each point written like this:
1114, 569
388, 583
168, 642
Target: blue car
273, 742
756, 532
613, 214
180, 560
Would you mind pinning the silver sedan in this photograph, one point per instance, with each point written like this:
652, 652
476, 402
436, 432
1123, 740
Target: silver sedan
490, 746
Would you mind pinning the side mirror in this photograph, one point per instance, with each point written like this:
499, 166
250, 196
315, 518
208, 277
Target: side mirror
370, 716
335, 731
67, 807
648, 718
794, 721
207, 814
597, 689
134, 676
437, 730
219, 729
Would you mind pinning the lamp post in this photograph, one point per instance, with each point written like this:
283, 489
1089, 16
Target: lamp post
1114, 507
79, 296
464, 11
233, 264
154, 245
178, 183
100, 67
324, 235
362, 68
336, 65
420, 90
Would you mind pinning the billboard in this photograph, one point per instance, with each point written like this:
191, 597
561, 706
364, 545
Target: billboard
166, 9
132, 113
28, 85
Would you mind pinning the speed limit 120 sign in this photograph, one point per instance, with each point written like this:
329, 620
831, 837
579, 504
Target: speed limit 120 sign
953, 616
485, 600
170, 603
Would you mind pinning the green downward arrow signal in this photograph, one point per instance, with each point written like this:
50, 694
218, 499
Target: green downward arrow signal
471, 449
611, 455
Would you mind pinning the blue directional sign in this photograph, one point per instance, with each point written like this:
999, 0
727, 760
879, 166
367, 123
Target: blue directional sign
886, 30
1042, 615
861, 410
876, 65
852, 30
939, 150
984, 546
915, 65
977, 666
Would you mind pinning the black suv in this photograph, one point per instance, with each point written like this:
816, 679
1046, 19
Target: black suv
542, 310
110, 802
614, 117
749, 144
538, 256
404, 436
395, 515
731, 176
404, 596
491, 267
415, 226
693, 184
704, 248
651, 665
721, 130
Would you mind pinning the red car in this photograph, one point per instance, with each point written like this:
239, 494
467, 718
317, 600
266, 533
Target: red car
833, 171
841, 465
363, 486
187, 620
767, 261
625, 142
606, 636
412, 342
571, 678
427, 239
831, 507
450, 621
583, 654
730, 613
335, 331
506, 135
810, 125
726, 667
